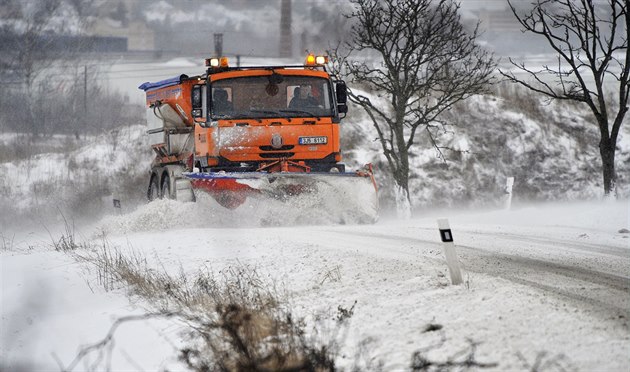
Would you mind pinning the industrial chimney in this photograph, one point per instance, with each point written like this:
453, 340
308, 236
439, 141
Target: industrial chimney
286, 45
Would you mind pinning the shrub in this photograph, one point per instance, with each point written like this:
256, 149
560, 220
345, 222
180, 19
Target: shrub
237, 322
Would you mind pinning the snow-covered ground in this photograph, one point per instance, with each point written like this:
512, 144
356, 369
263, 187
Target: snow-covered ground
546, 278
543, 278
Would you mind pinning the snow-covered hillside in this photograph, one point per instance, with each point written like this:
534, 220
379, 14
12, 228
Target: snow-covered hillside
551, 149
78, 179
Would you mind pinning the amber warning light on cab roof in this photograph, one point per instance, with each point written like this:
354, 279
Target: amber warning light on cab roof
313, 60
217, 62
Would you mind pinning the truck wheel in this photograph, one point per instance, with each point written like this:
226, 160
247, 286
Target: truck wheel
166, 188
154, 189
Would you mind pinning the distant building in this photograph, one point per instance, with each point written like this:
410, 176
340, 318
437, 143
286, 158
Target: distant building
139, 36
114, 20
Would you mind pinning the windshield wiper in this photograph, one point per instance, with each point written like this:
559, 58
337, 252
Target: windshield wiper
236, 116
308, 113
300, 112
279, 113
263, 111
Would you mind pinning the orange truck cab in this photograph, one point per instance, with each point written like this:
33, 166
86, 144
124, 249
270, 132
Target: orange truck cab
245, 118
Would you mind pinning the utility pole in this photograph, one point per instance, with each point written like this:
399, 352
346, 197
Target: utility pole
218, 45
286, 37
85, 88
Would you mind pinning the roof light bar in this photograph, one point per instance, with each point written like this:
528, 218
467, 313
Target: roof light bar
217, 63
321, 60
313, 60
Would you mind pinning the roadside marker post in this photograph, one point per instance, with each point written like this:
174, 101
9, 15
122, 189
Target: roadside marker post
118, 206
508, 191
116, 200
449, 251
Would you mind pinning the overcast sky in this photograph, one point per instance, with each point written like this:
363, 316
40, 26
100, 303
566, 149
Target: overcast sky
480, 4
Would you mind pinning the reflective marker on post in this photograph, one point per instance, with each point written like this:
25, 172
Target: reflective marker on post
446, 235
508, 191
449, 251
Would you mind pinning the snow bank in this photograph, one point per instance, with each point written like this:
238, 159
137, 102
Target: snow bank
333, 202
52, 306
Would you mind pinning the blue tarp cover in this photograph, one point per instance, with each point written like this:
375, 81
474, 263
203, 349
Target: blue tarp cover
160, 84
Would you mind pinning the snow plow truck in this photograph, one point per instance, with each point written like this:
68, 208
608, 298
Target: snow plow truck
259, 131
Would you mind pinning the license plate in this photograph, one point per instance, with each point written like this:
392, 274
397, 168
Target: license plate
313, 140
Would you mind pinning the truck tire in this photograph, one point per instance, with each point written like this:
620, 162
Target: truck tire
166, 188
154, 189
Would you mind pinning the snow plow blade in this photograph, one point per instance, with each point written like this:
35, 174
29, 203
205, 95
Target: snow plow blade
350, 195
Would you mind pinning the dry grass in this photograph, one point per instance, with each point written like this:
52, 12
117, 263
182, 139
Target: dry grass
236, 321
68, 240
7, 243
546, 362
522, 100
332, 275
463, 360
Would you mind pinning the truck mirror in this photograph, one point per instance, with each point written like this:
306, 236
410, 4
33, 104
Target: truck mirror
275, 78
342, 92
342, 108
196, 97
272, 89
197, 101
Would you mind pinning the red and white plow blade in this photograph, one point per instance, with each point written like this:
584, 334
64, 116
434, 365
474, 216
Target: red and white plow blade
348, 197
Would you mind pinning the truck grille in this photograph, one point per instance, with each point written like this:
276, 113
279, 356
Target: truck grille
277, 155
282, 148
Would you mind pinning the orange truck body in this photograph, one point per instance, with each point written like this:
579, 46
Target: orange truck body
243, 121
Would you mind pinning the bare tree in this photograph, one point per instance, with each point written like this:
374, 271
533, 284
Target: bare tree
31, 31
426, 62
591, 40
29, 48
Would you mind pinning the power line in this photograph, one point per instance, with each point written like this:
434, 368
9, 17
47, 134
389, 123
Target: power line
200, 57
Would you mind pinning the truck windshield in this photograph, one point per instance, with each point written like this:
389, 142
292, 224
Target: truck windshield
269, 97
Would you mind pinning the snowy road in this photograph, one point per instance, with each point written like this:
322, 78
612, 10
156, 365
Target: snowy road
595, 275
545, 282
585, 279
